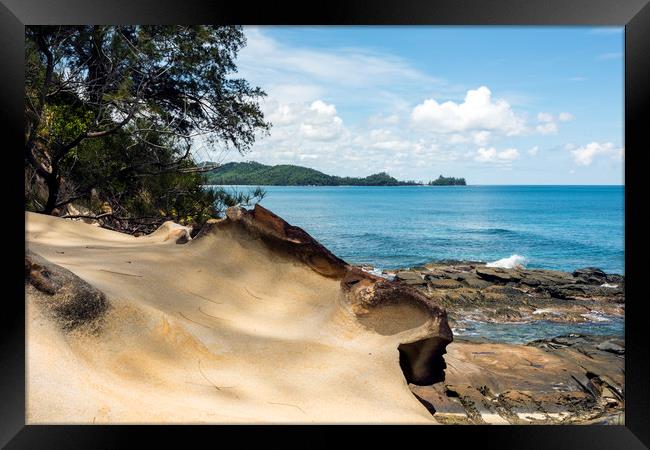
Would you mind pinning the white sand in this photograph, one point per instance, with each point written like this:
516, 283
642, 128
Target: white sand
219, 330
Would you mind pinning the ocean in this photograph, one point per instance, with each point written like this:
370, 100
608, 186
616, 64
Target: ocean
549, 227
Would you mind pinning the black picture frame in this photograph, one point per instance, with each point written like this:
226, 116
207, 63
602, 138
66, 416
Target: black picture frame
633, 14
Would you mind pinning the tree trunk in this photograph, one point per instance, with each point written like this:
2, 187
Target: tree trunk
53, 185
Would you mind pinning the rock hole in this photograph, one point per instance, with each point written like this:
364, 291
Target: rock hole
422, 361
451, 393
352, 282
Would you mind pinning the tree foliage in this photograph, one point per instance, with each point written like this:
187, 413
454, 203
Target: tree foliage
447, 181
254, 173
114, 114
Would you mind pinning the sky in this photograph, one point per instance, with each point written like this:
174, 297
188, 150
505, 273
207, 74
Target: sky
496, 105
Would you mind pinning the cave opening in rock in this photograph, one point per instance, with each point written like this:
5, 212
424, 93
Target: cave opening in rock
422, 362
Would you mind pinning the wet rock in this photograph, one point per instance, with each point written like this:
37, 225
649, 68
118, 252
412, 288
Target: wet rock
496, 274
583, 291
409, 277
545, 277
566, 379
590, 275
504, 294
472, 280
615, 279
479, 407
492, 294
433, 273
444, 284
613, 346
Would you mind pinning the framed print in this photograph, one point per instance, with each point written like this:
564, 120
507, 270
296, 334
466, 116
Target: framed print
426, 213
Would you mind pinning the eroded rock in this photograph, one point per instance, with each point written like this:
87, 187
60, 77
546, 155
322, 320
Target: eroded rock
389, 308
62, 294
567, 379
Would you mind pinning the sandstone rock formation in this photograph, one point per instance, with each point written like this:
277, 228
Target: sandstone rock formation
250, 321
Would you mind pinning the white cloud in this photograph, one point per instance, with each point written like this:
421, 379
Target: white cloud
293, 92
481, 137
356, 111
380, 119
281, 114
302, 72
548, 122
492, 155
316, 121
477, 112
585, 155
320, 122
509, 154
323, 109
566, 117
547, 128
457, 139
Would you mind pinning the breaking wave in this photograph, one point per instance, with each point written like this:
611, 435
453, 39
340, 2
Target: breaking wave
510, 262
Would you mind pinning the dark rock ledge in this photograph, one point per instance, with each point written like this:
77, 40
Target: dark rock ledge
568, 379
494, 294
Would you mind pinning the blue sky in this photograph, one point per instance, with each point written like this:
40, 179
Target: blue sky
496, 105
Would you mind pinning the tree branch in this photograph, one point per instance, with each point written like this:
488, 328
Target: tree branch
34, 162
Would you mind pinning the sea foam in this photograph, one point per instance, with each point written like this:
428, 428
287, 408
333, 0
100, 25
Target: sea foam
510, 262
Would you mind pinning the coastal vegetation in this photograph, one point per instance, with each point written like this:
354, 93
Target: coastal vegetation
114, 114
254, 173
447, 181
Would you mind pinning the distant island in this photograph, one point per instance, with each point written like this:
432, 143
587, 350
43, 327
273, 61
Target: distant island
254, 173
447, 181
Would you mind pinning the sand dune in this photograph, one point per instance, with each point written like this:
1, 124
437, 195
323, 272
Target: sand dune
250, 322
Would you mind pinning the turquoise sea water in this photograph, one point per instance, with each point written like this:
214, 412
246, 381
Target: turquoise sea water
553, 227
521, 333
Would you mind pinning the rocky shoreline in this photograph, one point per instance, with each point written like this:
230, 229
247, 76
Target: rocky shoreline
575, 378
499, 295
360, 316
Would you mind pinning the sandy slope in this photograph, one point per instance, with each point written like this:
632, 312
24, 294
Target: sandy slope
217, 330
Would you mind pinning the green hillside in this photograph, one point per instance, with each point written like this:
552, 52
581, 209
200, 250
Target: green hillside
254, 173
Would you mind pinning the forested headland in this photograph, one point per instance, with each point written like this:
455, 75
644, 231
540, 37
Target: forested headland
254, 173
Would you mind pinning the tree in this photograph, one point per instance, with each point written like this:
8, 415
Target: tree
116, 89
448, 181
